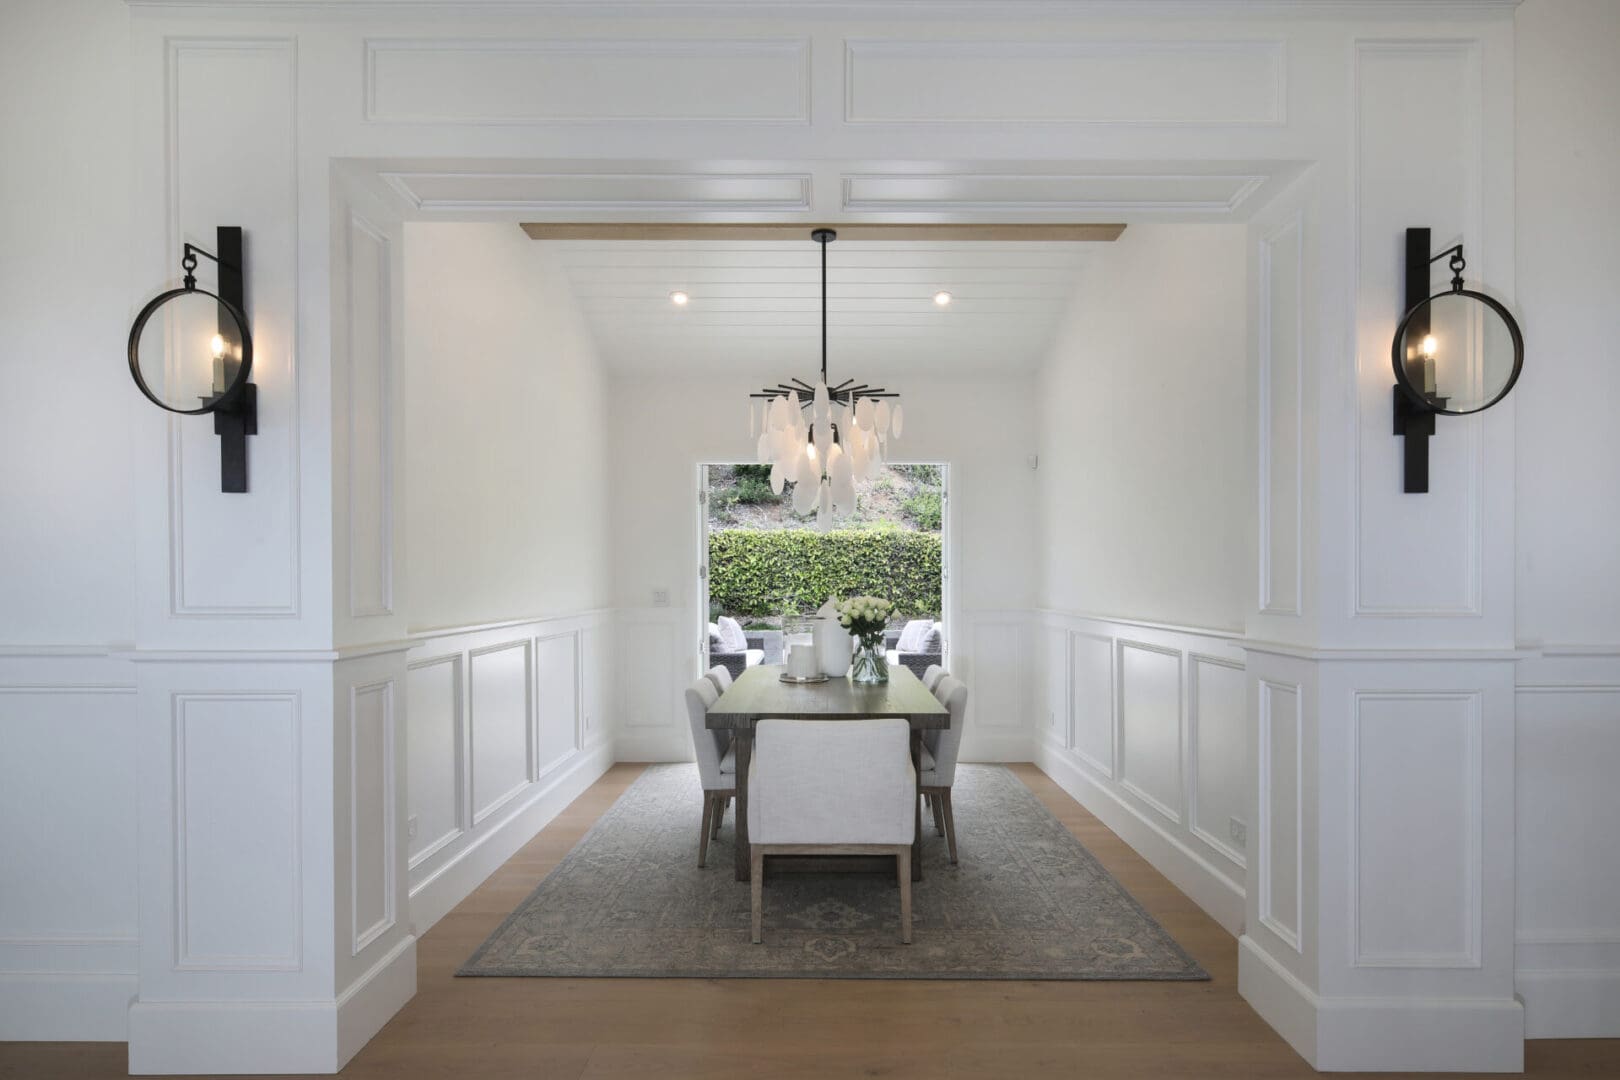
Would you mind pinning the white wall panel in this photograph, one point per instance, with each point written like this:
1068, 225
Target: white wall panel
492, 81
1052, 673
237, 831
498, 690
1281, 417
1106, 82
369, 397
238, 554
556, 700
1417, 826
1281, 836
1150, 726
372, 825
435, 754
1217, 720
1440, 569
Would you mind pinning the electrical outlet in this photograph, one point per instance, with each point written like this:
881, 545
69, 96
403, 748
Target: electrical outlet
660, 598
1238, 831
410, 827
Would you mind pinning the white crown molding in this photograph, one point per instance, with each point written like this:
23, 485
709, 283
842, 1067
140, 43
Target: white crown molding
1139, 10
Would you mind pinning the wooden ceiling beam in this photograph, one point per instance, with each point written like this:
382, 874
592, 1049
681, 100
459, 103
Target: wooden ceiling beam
847, 230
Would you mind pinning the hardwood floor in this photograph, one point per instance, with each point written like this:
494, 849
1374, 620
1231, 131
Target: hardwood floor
720, 1028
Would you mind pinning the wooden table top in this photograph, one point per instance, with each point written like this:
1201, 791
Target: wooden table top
759, 692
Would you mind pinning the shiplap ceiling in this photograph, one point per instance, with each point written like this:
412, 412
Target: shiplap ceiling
755, 305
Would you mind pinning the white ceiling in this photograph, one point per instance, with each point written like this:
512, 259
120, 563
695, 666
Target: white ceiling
755, 305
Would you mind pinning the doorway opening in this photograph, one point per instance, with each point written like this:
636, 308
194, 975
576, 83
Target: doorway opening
763, 565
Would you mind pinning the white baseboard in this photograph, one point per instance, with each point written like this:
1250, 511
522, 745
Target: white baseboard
1219, 896
39, 1006
1578, 1004
192, 1037
1382, 1034
452, 882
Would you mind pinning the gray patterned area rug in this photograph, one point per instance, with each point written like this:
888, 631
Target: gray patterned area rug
1027, 901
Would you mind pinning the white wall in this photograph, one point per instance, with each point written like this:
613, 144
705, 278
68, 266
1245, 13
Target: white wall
1144, 493
1568, 731
67, 558
505, 456
663, 428
1144, 484
505, 451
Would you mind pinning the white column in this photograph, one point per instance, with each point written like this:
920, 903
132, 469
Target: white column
1380, 889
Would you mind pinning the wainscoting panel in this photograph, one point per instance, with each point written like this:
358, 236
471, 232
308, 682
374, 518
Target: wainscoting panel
1089, 729
507, 724
1052, 709
491, 81
68, 952
1155, 744
652, 713
1150, 703
556, 735
1567, 951
1217, 731
238, 904
1110, 82
435, 755
371, 821
1417, 820
1282, 448
1282, 832
369, 400
501, 707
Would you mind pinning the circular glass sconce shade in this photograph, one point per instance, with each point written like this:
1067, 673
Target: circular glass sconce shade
1458, 352
190, 351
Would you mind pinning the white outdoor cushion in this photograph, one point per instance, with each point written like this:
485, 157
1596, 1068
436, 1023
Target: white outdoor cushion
731, 634
753, 656
893, 656
832, 782
714, 635
911, 638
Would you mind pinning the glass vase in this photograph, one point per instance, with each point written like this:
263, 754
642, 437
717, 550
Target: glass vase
871, 664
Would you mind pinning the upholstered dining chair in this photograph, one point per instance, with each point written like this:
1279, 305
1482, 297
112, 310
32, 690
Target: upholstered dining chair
940, 773
717, 761
832, 787
720, 675
931, 677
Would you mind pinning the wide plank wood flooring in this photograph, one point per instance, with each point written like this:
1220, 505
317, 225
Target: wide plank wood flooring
722, 1028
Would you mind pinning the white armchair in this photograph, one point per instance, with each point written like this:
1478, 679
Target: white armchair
939, 773
717, 761
832, 787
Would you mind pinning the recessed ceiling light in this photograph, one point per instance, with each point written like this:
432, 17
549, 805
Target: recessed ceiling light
678, 298
942, 298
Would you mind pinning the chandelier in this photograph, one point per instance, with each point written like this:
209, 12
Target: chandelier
822, 438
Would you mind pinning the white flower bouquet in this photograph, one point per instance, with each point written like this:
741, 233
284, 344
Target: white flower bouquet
866, 617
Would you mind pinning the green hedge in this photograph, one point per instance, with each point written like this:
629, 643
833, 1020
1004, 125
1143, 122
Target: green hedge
759, 572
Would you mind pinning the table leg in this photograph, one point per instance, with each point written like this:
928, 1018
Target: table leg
743, 740
916, 805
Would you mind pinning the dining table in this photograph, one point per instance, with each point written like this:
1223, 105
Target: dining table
760, 693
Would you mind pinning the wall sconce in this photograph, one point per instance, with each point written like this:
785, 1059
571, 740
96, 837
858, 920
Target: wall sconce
199, 357
1456, 352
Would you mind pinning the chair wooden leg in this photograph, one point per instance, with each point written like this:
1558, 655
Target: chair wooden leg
703, 836
950, 821
720, 802
938, 804
902, 859
756, 882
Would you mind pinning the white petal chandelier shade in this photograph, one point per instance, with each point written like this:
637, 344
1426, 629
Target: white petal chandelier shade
821, 438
